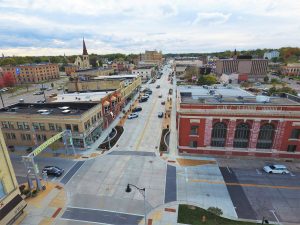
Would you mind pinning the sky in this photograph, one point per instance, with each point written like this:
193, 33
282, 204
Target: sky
56, 27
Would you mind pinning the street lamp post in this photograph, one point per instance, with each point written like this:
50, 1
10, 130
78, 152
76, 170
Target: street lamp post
143, 193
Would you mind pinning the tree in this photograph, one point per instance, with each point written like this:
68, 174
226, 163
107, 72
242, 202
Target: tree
266, 79
190, 72
207, 80
9, 79
215, 210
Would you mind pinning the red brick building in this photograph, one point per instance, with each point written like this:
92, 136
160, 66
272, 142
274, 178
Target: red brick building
33, 73
230, 121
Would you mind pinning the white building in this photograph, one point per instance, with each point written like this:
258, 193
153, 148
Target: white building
271, 54
145, 73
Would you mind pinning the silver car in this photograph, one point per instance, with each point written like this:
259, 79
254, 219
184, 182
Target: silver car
280, 169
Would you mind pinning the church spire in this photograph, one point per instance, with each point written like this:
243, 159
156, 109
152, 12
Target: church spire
84, 49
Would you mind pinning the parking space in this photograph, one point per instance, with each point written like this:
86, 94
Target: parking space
273, 196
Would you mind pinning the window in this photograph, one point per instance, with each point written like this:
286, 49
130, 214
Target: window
13, 136
44, 137
28, 137
68, 127
51, 126
11, 125
35, 126
218, 134
193, 144
4, 124
23, 137
194, 130
7, 135
75, 128
106, 109
58, 127
265, 136
42, 126
20, 125
2, 190
295, 134
98, 115
241, 137
26, 126
38, 137
291, 148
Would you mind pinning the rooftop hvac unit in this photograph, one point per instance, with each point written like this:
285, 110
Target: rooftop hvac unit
262, 98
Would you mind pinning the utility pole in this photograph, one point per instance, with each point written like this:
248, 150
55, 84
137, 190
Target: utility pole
2, 99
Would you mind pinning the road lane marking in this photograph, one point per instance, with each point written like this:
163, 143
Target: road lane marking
228, 169
247, 185
258, 172
273, 212
293, 175
186, 175
147, 123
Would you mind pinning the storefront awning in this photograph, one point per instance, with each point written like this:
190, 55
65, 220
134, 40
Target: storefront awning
106, 103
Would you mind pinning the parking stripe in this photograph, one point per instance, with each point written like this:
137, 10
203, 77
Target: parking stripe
247, 185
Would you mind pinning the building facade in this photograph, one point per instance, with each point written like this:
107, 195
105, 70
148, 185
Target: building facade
255, 68
152, 57
11, 202
84, 61
231, 122
28, 124
271, 54
33, 73
292, 69
146, 73
71, 69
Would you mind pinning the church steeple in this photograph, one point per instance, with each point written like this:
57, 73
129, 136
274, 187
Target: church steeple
84, 49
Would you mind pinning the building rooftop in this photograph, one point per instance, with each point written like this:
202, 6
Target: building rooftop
219, 94
48, 109
82, 97
116, 77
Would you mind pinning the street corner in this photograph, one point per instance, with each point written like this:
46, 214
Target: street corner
46, 205
164, 214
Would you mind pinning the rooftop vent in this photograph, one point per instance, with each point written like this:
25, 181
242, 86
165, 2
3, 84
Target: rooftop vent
64, 107
66, 111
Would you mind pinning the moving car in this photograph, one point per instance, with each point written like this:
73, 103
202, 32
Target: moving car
160, 115
163, 102
133, 115
158, 86
21, 100
53, 95
137, 109
281, 169
53, 170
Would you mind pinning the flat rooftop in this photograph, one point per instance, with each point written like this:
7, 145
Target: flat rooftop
219, 94
48, 109
116, 77
82, 97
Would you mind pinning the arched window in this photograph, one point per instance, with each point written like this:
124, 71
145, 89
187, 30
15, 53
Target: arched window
218, 134
241, 137
265, 136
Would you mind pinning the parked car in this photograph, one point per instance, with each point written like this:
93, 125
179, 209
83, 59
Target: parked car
163, 102
4, 89
281, 169
41, 101
53, 170
137, 109
160, 96
149, 92
160, 115
143, 100
21, 100
53, 95
158, 86
133, 115
59, 88
49, 89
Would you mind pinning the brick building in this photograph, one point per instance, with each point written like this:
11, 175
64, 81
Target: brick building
231, 121
255, 68
292, 69
33, 73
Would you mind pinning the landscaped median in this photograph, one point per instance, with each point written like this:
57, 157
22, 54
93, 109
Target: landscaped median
188, 214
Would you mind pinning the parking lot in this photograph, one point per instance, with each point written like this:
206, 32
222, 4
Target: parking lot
256, 194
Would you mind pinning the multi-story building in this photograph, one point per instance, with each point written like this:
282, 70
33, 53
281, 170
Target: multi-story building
152, 57
100, 71
271, 54
71, 69
231, 121
11, 202
29, 124
255, 68
146, 72
33, 73
292, 69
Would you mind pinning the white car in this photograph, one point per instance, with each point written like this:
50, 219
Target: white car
281, 169
133, 115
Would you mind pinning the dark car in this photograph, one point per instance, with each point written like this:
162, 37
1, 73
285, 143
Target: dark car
148, 92
53, 170
160, 115
143, 100
158, 86
137, 109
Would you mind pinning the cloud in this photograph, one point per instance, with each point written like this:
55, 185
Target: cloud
211, 18
131, 26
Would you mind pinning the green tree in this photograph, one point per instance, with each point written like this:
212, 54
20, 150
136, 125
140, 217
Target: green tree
207, 80
266, 79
